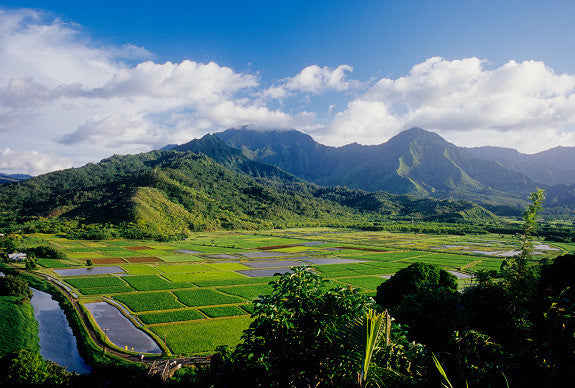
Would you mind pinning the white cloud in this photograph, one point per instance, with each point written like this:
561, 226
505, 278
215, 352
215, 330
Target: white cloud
30, 162
61, 93
314, 80
463, 95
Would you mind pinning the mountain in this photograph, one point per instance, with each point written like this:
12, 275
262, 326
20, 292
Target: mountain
7, 178
551, 167
415, 162
203, 184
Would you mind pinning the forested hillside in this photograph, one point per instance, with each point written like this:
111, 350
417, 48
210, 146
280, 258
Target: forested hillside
415, 162
202, 185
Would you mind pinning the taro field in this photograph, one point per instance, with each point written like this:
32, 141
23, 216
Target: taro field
194, 295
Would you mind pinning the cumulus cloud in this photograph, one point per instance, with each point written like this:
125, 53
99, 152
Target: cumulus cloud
30, 162
314, 80
62, 93
463, 95
59, 90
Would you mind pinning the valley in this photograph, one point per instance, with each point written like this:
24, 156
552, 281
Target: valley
194, 295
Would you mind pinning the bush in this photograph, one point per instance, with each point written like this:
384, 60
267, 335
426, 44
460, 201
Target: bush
408, 281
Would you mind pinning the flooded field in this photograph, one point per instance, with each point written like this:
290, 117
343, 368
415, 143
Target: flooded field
88, 271
120, 330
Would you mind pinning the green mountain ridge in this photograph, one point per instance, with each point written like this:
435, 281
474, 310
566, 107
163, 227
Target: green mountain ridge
414, 162
204, 185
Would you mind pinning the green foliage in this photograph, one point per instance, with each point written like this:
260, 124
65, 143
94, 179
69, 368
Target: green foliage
248, 291
365, 337
222, 311
46, 252
203, 336
149, 301
18, 327
30, 263
11, 285
153, 282
205, 297
27, 368
292, 339
171, 316
92, 282
408, 281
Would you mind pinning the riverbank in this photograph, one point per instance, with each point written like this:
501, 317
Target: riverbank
91, 347
18, 327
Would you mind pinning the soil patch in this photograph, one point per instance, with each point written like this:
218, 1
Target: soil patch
140, 248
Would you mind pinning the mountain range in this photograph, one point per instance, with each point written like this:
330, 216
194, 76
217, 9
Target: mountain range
203, 185
420, 163
8, 178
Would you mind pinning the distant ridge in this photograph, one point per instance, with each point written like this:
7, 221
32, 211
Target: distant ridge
8, 178
416, 162
203, 185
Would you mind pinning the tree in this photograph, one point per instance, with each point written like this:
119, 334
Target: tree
293, 339
27, 368
30, 263
14, 286
409, 280
521, 276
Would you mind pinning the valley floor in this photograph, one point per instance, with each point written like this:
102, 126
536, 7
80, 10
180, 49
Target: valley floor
194, 295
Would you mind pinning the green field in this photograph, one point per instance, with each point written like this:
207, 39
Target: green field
198, 301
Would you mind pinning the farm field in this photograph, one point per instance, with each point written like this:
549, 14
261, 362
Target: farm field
197, 294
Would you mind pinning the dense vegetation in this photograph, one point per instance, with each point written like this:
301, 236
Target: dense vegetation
205, 185
416, 162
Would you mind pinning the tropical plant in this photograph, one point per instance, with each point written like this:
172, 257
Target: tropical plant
368, 334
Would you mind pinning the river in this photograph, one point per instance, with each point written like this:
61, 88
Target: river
57, 341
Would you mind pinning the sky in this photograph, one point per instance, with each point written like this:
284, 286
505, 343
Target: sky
83, 80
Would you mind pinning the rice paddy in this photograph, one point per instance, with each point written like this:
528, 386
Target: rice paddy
197, 294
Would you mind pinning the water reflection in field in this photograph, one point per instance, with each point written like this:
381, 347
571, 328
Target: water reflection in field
120, 330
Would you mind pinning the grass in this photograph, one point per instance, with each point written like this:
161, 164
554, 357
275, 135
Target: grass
202, 336
106, 290
227, 266
233, 282
222, 311
203, 276
52, 263
94, 282
205, 297
368, 282
149, 301
140, 269
185, 268
179, 258
18, 328
248, 291
153, 282
85, 255
171, 316
212, 306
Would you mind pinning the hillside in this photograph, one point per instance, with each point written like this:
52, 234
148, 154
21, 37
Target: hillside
8, 178
203, 185
415, 162
552, 167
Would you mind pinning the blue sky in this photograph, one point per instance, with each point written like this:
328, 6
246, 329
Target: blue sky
82, 80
